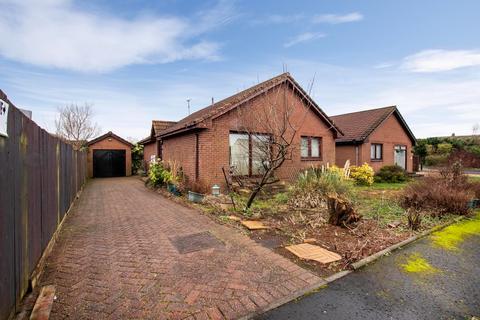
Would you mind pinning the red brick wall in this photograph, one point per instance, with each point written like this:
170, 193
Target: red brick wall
149, 149
110, 143
214, 142
181, 149
344, 153
390, 134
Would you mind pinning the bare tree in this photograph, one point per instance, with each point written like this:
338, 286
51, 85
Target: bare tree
74, 124
475, 129
267, 130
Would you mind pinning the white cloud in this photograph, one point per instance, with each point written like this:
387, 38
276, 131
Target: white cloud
303, 37
337, 18
384, 65
280, 19
431, 105
441, 60
55, 33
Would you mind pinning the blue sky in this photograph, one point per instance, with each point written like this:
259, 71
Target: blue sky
138, 60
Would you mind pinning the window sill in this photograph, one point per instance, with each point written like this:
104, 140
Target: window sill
311, 159
376, 160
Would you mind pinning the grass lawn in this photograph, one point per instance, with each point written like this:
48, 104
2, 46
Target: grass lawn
473, 178
383, 186
379, 202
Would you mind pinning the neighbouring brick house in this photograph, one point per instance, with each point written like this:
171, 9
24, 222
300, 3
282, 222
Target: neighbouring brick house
151, 145
212, 138
378, 137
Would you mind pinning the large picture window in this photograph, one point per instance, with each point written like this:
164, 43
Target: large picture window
376, 151
311, 148
248, 153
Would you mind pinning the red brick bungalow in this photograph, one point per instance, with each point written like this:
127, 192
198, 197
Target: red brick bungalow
151, 145
378, 137
206, 141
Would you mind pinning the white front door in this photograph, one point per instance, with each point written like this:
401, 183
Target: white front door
400, 156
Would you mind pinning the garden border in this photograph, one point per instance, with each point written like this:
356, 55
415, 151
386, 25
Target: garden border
361, 263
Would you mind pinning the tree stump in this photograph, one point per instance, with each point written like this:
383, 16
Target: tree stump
341, 211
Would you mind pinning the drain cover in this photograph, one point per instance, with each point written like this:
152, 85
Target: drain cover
195, 242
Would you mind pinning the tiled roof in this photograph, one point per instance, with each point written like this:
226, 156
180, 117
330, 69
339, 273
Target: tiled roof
109, 134
195, 119
146, 140
357, 126
160, 125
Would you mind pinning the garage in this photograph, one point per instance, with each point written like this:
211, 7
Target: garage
109, 156
108, 163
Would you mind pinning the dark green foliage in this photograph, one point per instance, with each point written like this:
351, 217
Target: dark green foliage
420, 149
391, 174
137, 158
474, 150
435, 160
438, 151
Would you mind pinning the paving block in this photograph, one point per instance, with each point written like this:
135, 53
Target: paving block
312, 252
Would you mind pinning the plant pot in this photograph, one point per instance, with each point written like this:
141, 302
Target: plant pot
195, 197
173, 189
473, 204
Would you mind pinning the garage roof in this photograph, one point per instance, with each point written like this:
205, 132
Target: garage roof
109, 134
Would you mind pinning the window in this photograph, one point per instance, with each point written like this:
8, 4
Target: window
239, 150
310, 147
376, 151
260, 153
249, 153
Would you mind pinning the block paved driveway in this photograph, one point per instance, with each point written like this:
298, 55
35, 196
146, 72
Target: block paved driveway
114, 259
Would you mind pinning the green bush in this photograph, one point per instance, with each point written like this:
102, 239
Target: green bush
158, 174
137, 158
444, 148
362, 175
391, 174
281, 198
436, 159
474, 149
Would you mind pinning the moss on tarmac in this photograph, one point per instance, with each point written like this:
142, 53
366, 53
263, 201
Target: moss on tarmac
450, 237
417, 264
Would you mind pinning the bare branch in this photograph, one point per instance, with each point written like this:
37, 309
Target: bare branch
268, 128
74, 124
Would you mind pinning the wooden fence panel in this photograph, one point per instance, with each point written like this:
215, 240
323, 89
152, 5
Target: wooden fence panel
7, 222
40, 177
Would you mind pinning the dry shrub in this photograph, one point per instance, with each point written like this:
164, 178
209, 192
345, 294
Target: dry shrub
447, 193
414, 218
315, 184
306, 200
475, 188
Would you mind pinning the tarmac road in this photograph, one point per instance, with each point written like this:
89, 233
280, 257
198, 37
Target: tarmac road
384, 290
